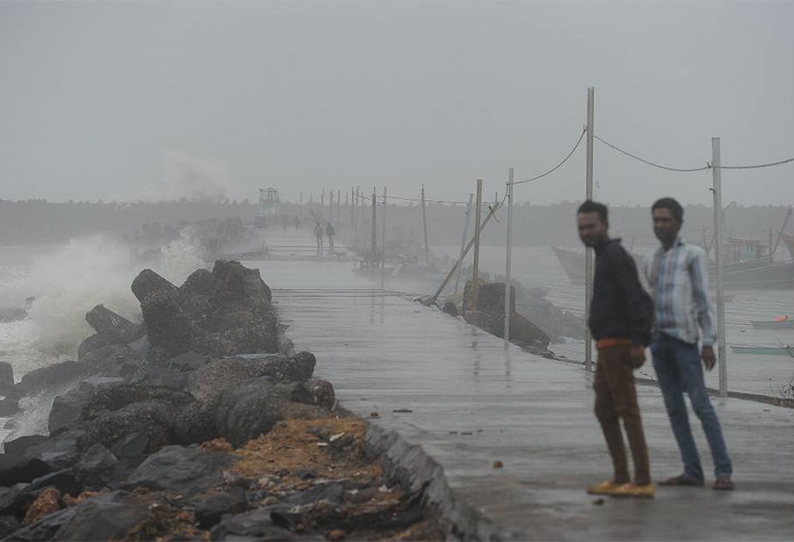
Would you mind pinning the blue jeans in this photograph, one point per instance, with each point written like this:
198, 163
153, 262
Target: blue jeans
678, 370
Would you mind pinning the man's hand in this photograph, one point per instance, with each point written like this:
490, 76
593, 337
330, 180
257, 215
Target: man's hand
637, 356
707, 355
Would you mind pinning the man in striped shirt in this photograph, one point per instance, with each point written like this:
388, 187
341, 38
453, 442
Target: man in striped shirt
677, 274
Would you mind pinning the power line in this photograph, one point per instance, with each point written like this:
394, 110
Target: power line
758, 165
552, 170
688, 170
668, 168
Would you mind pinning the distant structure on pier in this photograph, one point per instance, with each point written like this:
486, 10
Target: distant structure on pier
268, 207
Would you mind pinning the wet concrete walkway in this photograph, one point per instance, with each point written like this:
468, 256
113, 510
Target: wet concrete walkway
475, 401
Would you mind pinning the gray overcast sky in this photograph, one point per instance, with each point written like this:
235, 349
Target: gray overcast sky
305, 95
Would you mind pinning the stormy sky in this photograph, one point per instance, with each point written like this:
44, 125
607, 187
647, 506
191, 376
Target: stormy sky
130, 100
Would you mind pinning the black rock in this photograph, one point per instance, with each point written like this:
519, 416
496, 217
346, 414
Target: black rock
51, 376
9, 407
15, 500
117, 328
253, 408
20, 469
6, 377
179, 468
64, 481
211, 507
67, 409
20, 445
101, 520
97, 467
133, 444
253, 525
189, 361
8, 524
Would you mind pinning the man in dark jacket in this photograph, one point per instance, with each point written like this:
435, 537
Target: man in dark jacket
620, 320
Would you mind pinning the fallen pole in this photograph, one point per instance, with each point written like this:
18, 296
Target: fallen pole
492, 212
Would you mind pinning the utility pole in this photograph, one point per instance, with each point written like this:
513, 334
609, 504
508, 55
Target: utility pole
353, 217
374, 231
463, 241
719, 225
338, 206
588, 290
509, 257
476, 275
300, 201
322, 203
424, 225
330, 206
383, 243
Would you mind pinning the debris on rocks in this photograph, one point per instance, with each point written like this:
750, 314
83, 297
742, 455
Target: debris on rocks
498, 464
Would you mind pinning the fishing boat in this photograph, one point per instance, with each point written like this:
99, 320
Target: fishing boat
769, 350
782, 323
745, 268
788, 240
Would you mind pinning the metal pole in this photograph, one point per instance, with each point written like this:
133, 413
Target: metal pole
719, 225
330, 206
424, 225
508, 262
588, 290
476, 274
353, 217
383, 243
374, 232
322, 203
300, 202
338, 206
463, 241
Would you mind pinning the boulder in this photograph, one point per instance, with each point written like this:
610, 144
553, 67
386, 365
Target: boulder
113, 326
490, 297
211, 507
58, 451
6, 377
96, 468
254, 525
8, 524
253, 408
149, 418
215, 377
67, 409
55, 375
19, 446
322, 393
20, 469
15, 500
180, 468
101, 520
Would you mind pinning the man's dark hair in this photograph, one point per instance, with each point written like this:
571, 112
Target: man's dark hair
673, 205
591, 206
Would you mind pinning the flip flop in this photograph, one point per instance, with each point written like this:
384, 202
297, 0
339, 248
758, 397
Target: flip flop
723, 483
680, 480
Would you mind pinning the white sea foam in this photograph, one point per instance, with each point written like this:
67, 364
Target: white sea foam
69, 281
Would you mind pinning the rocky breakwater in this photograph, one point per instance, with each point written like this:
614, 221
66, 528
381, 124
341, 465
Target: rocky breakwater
176, 427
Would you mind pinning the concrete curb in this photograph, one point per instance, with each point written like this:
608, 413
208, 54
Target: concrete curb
409, 466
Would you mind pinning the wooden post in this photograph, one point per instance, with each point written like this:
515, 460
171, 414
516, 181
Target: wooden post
509, 255
588, 277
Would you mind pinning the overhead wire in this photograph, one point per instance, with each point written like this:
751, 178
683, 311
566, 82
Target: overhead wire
558, 166
643, 160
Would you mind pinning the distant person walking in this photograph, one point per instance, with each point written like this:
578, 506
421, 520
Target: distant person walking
677, 273
330, 232
620, 319
318, 232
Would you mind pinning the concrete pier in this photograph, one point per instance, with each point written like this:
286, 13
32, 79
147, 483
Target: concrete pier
474, 401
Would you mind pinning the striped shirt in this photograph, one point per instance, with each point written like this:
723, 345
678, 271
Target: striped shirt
678, 280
